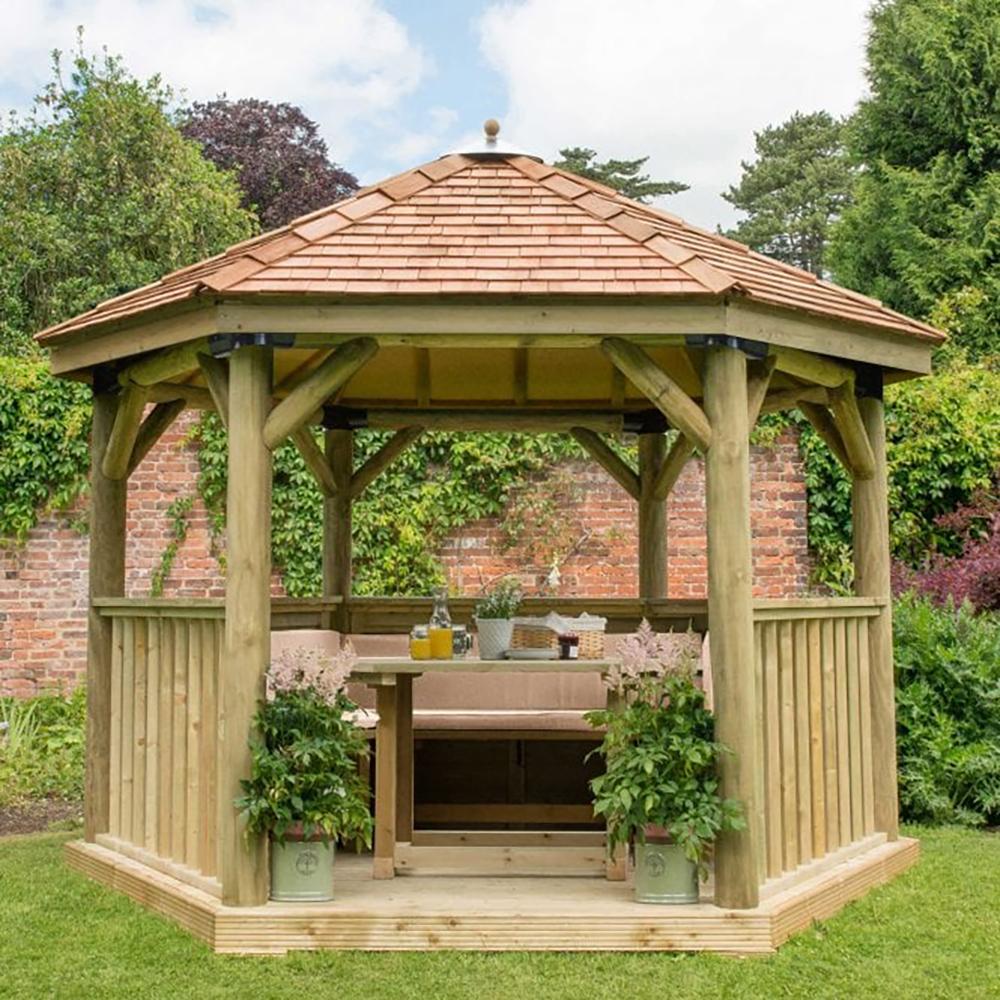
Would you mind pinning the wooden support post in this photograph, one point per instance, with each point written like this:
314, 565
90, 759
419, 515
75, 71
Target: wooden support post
106, 579
246, 652
314, 390
652, 519
660, 389
384, 860
121, 440
383, 458
730, 615
404, 758
337, 521
871, 575
613, 465
152, 429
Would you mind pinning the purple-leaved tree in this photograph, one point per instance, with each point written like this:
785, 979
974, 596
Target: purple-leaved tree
281, 161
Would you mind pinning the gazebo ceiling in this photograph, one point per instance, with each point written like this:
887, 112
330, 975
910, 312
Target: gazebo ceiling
494, 226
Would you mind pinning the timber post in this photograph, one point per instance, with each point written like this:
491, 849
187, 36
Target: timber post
246, 651
652, 518
337, 524
106, 579
871, 576
730, 621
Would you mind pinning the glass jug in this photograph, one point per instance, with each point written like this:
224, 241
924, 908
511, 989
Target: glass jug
439, 630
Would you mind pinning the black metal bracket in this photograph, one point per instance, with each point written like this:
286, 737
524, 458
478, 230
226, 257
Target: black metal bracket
868, 383
344, 418
755, 349
104, 378
223, 344
645, 422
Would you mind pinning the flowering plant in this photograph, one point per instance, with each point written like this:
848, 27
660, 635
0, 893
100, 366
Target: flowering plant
305, 771
660, 751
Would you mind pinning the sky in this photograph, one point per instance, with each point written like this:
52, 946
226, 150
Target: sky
394, 83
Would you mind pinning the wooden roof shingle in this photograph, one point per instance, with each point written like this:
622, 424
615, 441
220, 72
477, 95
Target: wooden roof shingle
503, 224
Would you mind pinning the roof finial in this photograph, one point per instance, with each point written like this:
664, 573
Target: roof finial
492, 128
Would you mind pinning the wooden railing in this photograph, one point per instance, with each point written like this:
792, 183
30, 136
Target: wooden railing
164, 733
812, 660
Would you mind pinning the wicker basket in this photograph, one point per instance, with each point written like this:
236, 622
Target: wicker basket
543, 633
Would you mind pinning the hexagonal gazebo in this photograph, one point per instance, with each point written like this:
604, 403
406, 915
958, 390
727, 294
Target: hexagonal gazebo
489, 291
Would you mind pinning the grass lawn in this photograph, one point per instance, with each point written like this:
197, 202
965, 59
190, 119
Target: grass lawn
934, 932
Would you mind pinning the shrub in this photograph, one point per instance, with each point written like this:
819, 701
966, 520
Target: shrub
42, 748
973, 576
947, 712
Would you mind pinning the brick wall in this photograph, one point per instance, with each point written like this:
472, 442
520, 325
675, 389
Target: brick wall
586, 528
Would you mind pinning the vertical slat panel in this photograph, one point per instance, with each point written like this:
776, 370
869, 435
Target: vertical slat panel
139, 736
789, 785
817, 775
802, 744
178, 814
165, 698
206, 751
864, 697
772, 756
830, 783
760, 818
854, 728
152, 789
128, 703
843, 735
115, 736
192, 826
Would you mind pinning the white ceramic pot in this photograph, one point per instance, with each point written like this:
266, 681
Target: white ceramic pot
495, 636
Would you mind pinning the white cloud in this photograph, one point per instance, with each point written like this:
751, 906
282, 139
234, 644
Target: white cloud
345, 62
686, 83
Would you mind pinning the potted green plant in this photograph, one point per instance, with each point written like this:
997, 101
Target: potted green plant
494, 614
305, 788
660, 789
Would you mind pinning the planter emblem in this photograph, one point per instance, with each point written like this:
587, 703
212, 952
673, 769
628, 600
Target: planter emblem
306, 863
655, 863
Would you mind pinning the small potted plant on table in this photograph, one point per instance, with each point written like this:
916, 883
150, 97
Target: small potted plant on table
660, 789
494, 614
305, 789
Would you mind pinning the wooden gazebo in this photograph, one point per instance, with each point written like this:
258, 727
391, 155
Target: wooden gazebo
489, 291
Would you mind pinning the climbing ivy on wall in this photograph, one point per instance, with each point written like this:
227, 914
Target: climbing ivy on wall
44, 425
439, 484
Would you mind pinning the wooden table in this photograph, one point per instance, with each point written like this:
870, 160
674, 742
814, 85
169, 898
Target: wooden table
392, 679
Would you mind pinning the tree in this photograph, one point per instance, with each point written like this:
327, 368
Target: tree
923, 233
99, 193
278, 155
622, 175
798, 185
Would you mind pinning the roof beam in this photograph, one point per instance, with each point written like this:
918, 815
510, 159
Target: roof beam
383, 458
847, 417
315, 460
314, 390
121, 442
164, 365
812, 367
661, 390
511, 420
613, 465
152, 429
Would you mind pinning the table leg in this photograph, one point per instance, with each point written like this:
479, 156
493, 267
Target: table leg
384, 865
404, 758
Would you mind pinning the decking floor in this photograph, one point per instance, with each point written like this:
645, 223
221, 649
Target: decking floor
494, 914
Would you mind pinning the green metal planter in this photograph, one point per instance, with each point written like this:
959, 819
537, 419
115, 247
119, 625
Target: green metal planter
664, 875
302, 871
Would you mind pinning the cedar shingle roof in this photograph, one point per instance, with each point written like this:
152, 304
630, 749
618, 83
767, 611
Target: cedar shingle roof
506, 225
